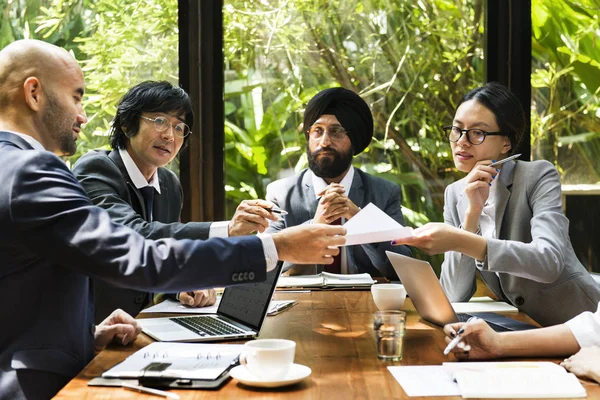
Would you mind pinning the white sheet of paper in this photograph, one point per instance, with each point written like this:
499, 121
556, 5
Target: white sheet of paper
483, 304
371, 225
174, 307
425, 380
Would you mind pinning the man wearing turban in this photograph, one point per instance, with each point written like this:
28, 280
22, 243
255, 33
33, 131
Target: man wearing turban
338, 125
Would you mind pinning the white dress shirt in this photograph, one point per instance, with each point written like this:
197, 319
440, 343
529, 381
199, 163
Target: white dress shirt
586, 328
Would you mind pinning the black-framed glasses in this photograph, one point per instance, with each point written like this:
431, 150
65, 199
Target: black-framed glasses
161, 124
474, 136
336, 132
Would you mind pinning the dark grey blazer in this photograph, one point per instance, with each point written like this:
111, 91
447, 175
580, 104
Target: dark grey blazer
532, 255
107, 183
52, 239
297, 196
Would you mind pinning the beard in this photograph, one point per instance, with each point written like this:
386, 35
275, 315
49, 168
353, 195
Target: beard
329, 167
57, 121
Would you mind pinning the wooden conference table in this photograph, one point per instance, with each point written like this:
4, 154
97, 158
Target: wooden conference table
333, 331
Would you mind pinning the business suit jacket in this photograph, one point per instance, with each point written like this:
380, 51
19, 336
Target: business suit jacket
52, 238
297, 196
105, 179
531, 264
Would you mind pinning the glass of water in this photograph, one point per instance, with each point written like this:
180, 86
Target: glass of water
389, 329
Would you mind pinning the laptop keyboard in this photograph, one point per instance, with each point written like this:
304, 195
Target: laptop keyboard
207, 326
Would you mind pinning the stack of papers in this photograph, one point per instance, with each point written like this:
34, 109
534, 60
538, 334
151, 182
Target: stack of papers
326, 280
371, 225
489, 380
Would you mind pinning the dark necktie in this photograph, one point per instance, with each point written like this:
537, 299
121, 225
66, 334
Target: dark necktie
148, 194
336, 266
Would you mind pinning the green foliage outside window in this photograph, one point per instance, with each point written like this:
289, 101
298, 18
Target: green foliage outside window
411, 60
565, 112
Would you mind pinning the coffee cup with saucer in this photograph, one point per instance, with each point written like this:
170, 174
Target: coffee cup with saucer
269, 363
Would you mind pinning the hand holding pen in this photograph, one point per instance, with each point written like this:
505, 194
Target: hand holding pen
483, 342
457, 339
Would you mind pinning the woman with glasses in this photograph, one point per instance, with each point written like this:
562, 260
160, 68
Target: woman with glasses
505, 221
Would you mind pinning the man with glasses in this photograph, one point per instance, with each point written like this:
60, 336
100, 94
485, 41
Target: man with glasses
338, 125
131, 183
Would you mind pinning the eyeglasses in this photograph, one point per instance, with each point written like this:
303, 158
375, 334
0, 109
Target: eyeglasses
336, 132
474, 136
161, 124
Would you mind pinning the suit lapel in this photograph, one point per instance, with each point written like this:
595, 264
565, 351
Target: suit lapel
116, 158
309, 197
503, 192
357, 191
462, 204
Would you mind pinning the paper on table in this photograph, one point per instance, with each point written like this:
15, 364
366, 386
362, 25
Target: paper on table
175, 307
428, 380
371, 225
483, 304
514, 380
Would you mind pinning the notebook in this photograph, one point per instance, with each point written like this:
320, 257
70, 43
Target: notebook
240, 315
180, 360
326, 280
432, 304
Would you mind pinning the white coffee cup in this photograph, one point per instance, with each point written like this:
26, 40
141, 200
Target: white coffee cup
388, 296
268, 359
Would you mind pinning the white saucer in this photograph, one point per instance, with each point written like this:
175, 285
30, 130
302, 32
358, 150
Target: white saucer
296, 373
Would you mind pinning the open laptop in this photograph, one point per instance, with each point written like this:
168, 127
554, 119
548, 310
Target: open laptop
432, 304
240, 315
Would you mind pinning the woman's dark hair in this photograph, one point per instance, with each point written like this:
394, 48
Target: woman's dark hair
148, 96
506, 108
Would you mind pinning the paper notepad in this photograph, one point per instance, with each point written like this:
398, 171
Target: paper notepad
326, 280
371, 225
483, 304
186, 360
515, 380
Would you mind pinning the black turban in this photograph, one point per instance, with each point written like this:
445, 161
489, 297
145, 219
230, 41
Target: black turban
349, 108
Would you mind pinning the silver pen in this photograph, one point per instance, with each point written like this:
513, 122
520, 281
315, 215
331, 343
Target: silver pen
277, 210
156, 392
495, 164
458, 338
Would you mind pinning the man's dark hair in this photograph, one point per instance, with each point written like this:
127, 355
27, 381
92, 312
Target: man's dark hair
148, 96
506, 108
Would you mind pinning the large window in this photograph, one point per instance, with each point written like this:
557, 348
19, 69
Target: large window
410, 60
565, 112
119, 44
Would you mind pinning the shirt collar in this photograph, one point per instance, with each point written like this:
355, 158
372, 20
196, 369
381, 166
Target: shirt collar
135, 174
32, 142
319, 184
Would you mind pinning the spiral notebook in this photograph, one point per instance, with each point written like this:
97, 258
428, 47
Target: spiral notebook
178, 361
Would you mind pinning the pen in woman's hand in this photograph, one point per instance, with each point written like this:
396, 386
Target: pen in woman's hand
458, 338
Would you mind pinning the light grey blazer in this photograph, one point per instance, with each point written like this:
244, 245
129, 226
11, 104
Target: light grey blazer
531, 264
297, 196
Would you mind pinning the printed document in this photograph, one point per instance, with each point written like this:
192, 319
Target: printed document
371, 225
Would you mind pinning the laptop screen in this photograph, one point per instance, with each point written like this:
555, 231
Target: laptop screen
248, 303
